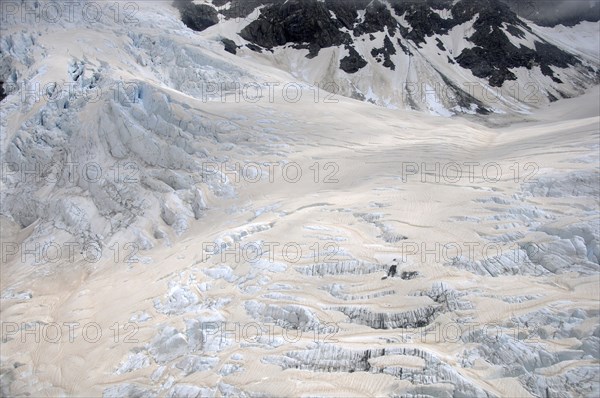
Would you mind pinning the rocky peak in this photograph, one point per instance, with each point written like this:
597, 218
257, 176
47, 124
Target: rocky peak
296, 21
497, 42
196, 16
377, 18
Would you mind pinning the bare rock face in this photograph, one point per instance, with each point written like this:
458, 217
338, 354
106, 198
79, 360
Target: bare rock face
491, 57
386, 52
196, 16
401, 33
423, 18
230, 46
494, 54
298, 22
377, 18
353, 62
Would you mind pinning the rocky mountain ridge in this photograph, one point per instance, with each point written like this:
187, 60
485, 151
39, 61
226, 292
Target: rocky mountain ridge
394, 52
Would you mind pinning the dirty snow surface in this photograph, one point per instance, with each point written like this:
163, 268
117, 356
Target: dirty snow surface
179, 221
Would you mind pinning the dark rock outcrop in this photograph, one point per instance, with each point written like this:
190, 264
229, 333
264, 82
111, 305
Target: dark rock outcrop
298, 22
491, 28
494, 54
2, 93
196, 16
386, 52
423, 20
230, 46
377, 18
254, 48
346, 11
242, 8
314, 25
353, 62
440, 45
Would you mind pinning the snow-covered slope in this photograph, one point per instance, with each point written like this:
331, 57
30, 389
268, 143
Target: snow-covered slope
442, 57
136, 262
